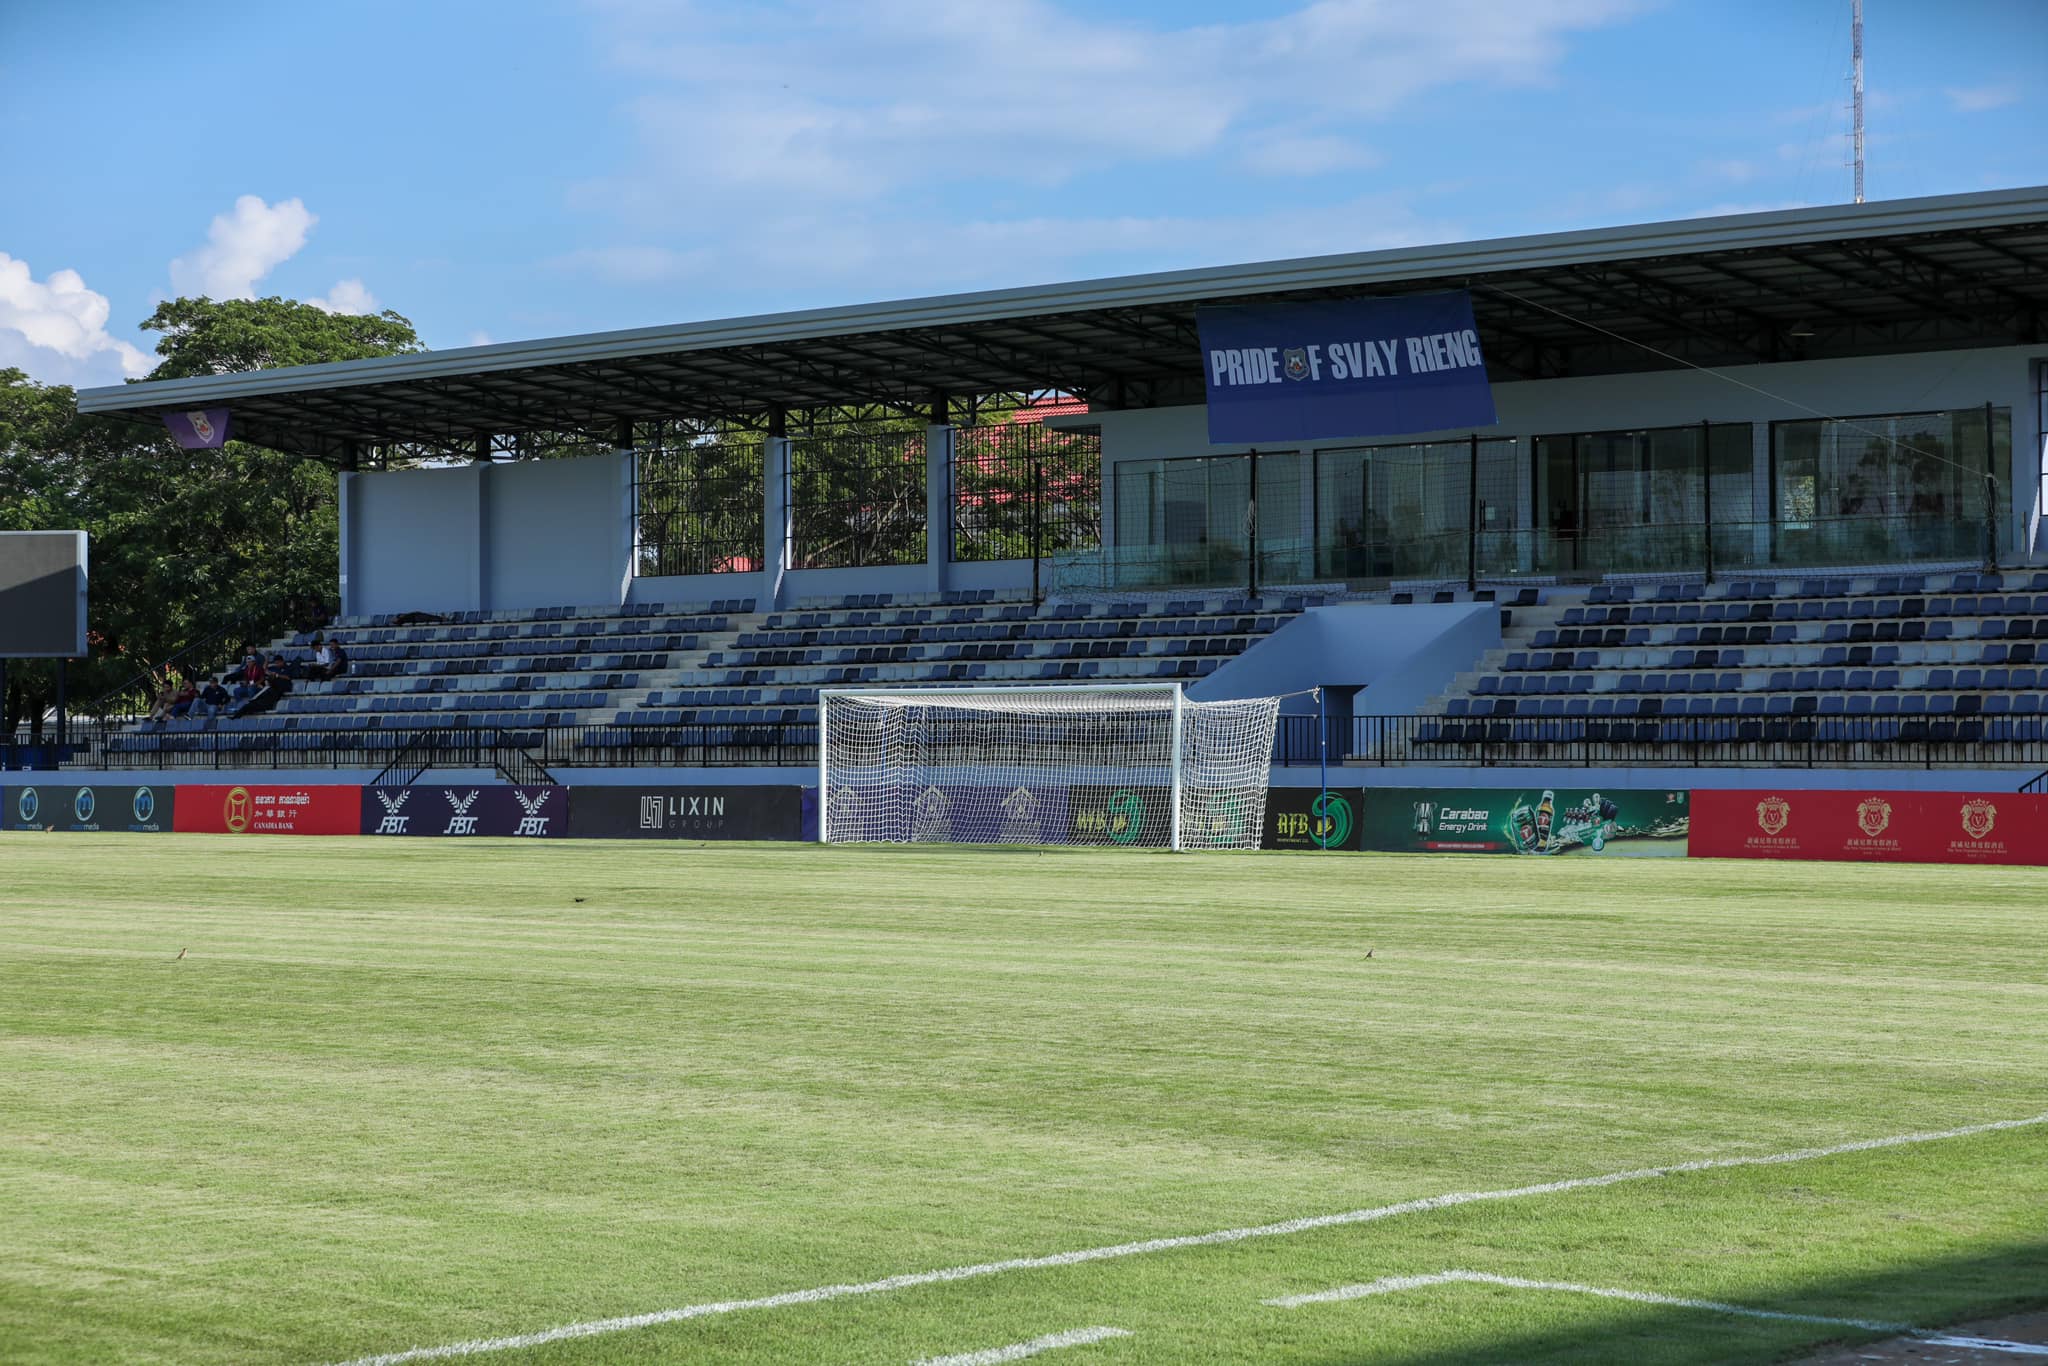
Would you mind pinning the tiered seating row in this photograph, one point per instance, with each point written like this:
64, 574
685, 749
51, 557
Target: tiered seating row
541, 615
1843, 730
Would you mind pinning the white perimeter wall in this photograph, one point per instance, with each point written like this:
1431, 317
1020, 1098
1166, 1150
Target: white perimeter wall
1669, 398
544, 533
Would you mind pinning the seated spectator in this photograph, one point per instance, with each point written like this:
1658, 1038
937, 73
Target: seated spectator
187, 698
248, 678
166, 698
213, 697
340, 664
280, 674
323, 658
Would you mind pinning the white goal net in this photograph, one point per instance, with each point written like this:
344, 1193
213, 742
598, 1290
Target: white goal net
1123, 764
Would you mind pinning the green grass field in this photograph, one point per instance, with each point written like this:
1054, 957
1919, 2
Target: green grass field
410, 1092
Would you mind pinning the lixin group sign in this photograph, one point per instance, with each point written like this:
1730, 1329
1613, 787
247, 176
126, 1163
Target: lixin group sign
1343, 368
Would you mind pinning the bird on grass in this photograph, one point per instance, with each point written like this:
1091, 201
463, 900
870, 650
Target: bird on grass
181, 954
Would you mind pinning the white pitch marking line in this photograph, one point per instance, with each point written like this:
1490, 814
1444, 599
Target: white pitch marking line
1017, 1351
1389, 1284
911, 1280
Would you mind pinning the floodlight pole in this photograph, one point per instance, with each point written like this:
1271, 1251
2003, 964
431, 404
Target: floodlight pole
1173, 795
1856, 96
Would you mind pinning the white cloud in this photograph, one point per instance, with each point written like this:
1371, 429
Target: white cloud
56, 329
1288, 155
633, 265
1732, 168
478, 338
866, 257
846, 103
1976, 99
243, 245
348, 296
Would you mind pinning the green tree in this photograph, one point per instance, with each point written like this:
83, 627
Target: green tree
235, 544
233, 336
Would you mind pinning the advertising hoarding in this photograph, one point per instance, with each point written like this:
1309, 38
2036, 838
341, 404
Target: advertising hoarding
735, 812
1313, 818
1862, 825
1543, 821
88, 807
269, 809
459, 812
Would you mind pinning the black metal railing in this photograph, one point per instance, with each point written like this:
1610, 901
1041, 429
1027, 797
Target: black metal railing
2038, 784
404, 753
1676, 742
1380, 741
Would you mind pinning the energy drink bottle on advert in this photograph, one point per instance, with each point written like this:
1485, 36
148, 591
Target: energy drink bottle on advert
1546, 812
1522, 823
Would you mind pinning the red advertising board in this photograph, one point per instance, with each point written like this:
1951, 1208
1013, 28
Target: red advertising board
1898, 827
268, 809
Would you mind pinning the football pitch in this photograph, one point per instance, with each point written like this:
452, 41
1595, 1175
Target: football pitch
578, 1102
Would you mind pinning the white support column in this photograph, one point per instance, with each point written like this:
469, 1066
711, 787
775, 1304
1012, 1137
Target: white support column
938, 507
486, 553
774, 520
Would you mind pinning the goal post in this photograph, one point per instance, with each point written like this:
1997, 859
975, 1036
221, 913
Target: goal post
1118, 764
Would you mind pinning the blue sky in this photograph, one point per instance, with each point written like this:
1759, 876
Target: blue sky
517, 169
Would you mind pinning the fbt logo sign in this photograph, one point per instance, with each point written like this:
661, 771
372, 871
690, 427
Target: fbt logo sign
460, 822
532, 823
395, 819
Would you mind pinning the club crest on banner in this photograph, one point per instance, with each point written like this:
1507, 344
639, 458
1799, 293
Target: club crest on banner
1773, 814
1979, 816
202, 425
1331, 815
1021, 823
931, 816
1294, 362
1873, 816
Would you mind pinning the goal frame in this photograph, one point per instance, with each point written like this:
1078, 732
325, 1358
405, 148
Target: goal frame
1175, 686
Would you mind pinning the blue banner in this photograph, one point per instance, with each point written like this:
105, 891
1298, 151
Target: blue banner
1343, 368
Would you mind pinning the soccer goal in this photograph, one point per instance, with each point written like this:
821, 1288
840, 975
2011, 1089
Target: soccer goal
1132, 764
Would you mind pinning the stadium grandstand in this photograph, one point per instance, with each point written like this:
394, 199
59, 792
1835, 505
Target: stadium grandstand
1762, 490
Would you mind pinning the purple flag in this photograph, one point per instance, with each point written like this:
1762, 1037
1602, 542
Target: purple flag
199, 429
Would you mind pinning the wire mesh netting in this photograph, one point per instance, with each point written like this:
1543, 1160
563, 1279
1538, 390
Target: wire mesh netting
698, 507
1049, 765
1021, 489
857, 500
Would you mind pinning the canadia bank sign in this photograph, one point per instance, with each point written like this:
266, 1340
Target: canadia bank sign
1343, 368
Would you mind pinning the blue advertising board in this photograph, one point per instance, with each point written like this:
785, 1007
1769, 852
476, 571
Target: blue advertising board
1343, 368
87, 807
